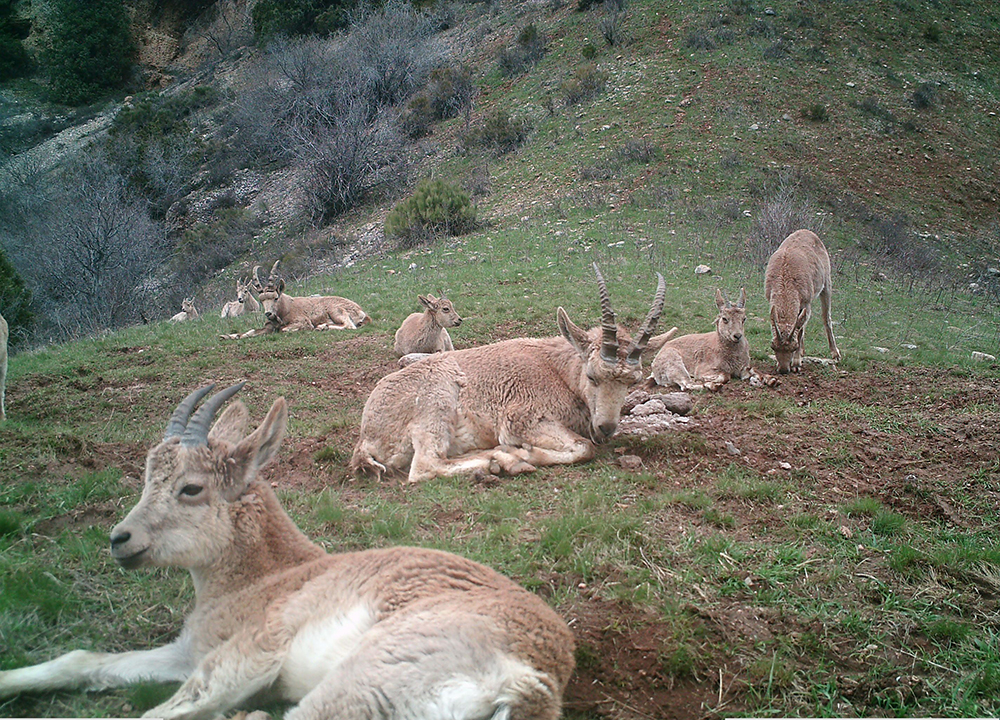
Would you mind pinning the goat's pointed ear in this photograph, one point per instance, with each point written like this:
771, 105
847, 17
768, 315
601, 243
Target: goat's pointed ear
576, 336
658, 341
257, 449
428, 301
743, 298
231, 425
281, 286
720, 301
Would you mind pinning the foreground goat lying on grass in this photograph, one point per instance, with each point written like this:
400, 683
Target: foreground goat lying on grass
507, 407
392, 633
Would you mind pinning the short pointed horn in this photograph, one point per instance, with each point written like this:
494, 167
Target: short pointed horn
179, 420
648, 327
609, 341
196, 432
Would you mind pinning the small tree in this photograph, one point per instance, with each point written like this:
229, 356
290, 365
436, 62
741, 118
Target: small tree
89, 49
15, 302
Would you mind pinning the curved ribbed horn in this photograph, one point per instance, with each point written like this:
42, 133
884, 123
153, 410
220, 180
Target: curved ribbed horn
178, 421
272, 277
609, 340
196, 432
256, 278
637, 346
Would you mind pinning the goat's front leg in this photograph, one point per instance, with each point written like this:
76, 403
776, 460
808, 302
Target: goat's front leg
225, 678
549, 443
97, 671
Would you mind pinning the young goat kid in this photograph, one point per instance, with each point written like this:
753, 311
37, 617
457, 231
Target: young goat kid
427, 332
188, 311
245, 301
391, 633
797, 272
3, 366
707, 360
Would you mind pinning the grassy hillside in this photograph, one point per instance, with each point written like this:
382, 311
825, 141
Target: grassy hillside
845, 563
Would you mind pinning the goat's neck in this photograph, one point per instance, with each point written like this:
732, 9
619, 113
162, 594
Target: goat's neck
265, 541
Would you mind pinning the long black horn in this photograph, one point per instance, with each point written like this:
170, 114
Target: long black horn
196, 432
179, 420
637, 346
609, 341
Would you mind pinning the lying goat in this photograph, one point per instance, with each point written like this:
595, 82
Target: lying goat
188, 311
707, 360
245, 301
427, 332
797, 272
285, 313
510, 406
393, 633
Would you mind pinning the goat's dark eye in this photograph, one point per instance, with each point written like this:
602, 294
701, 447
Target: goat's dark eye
191, 490
725, 320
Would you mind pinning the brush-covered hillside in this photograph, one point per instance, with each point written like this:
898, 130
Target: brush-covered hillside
826, 547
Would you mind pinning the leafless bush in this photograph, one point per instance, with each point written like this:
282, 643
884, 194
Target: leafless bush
893, 244
778, 214
87, 247
612, 24
586, 82
321, 105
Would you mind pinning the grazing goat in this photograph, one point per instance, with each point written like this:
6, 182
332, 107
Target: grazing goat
509, 406
244, 302
707, 360
390, 633
427, 332
797, 272
188, 311
3, 367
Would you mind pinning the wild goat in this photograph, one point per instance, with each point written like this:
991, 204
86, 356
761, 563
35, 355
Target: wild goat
797, 272
707, 360
3, 367
509, 406
394, 633
284, 313
427, 332
244, 302
188, 311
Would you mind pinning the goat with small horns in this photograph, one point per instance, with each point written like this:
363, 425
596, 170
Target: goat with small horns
506, 407
391, 633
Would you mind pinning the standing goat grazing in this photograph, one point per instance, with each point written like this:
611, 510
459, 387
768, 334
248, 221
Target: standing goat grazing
798, 271
391, 633
188, 311
509, 406
427, 332
3, 367
245, 301
707, 360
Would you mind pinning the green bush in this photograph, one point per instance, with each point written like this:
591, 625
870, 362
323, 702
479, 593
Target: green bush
530, 48
89, 49
449, 90
14, 60
586, 83
500, 133
299, 17
435, 208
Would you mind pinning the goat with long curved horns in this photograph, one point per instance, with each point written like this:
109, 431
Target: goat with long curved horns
507, 407
391, 633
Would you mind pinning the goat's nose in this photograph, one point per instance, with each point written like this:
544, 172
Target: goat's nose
737, 337
783, 371
608, 428
119, 539
458, 322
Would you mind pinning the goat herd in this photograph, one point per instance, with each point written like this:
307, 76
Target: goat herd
401, 632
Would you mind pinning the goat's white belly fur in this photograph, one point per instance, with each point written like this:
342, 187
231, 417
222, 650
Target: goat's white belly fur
319, 647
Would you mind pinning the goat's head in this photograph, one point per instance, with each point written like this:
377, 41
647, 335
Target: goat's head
786, 335
242, 290
195, 479
269, 298
187, 305
732, 318
442, 309
609, 370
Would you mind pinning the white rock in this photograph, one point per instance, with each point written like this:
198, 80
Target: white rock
732, 449
653, 406
983, 357
878, 349
785, 466
703, 270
